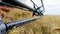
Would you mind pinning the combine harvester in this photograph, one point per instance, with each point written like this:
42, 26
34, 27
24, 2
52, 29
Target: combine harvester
4, 27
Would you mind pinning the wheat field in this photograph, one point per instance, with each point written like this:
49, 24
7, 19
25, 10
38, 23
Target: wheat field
48, 24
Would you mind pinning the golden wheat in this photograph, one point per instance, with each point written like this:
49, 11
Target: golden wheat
48, 24
45, 25
15, 14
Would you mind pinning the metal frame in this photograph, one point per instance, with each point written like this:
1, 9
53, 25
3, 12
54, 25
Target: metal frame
15, 3
4, 27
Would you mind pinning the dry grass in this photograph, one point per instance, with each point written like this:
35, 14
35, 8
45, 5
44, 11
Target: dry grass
48, 24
